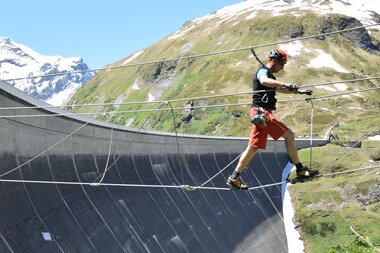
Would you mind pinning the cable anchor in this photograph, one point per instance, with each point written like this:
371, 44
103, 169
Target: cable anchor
187, 187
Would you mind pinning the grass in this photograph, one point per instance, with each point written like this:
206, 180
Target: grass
328, 206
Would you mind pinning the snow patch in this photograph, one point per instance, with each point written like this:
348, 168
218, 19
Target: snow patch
137, 84
62, 97
374, 138
134, 56
328, 88
341, 86
325, 60
361, 10
129, 122
182, 31
293, 48
151, 97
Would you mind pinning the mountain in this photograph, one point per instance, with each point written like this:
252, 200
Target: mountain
349, 55
18, 61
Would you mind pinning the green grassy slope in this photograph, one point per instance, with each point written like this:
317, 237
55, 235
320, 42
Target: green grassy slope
328, 207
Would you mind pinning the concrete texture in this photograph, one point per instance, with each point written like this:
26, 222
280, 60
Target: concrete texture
37, 217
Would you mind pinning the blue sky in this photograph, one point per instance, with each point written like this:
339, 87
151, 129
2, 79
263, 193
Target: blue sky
101, 32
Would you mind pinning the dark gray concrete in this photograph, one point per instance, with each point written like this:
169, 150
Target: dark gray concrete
83, 218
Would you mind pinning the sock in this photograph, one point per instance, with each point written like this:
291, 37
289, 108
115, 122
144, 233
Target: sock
299, 166
235, 175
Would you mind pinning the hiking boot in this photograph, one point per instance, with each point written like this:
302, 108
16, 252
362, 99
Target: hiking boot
305, 172
237, 183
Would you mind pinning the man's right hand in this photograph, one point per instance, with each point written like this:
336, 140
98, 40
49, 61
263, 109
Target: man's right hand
290, 86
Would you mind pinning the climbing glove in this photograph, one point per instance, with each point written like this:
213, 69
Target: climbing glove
290, 86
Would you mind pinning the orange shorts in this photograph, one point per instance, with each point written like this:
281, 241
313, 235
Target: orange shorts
259, 133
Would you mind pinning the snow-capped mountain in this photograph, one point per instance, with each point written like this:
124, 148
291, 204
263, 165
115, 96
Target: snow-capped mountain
19, 61
367, 12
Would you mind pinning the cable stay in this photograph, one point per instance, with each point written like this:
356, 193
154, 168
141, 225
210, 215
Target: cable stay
101, 176
99, 180
180, 99
183, 187
350, 148
196, 55
46, 150
195, 107
108, 157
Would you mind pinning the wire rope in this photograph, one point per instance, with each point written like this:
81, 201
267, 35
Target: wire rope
172, 109
135, 134
225, 167
108, 157
184, 187
177, 142
349, 149
46, 150
198, 55
181, 108
183, 99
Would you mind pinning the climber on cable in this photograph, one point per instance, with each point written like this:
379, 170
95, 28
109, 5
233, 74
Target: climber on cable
263, 120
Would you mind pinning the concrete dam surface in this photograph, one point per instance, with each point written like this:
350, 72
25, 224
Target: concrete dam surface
49, 204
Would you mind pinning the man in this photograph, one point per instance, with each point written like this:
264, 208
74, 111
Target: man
264, 122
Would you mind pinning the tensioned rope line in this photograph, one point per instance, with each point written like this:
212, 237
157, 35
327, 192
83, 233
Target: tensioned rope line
310, 100
102, 175
140, 130
349, 171
199, 55
182, 160
46, 150
185, 187
322, 175
349, 149
185, 99
108, 157
94, 183
292, 109
225, 167
181, 108
181, 163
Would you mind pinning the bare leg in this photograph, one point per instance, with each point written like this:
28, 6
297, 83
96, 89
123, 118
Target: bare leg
291, 146
245, 158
